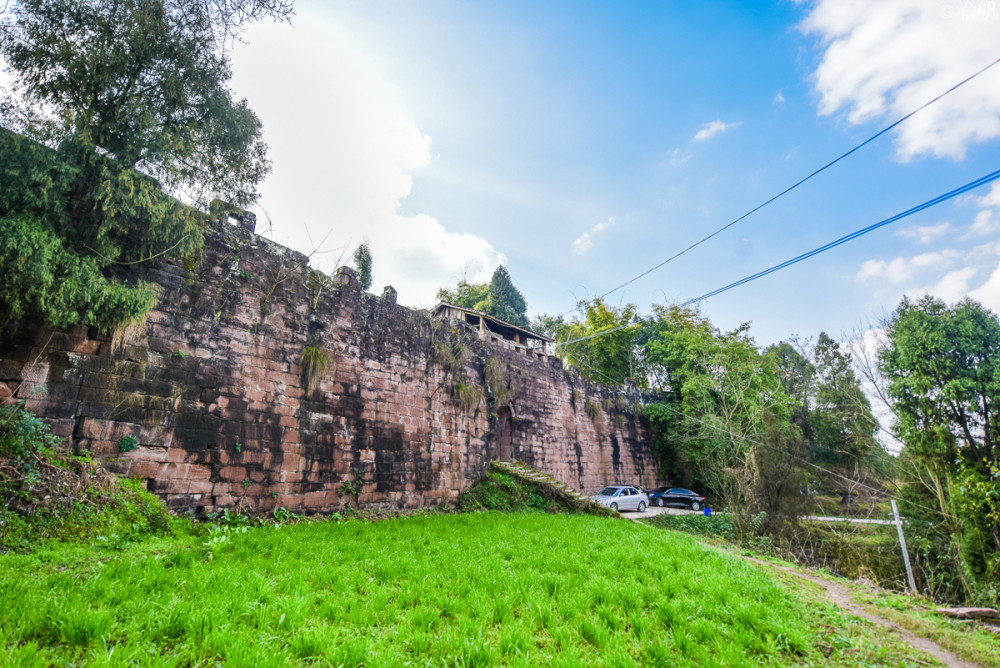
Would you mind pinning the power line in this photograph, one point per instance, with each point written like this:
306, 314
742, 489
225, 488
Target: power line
854, 235
793, 186
816, 251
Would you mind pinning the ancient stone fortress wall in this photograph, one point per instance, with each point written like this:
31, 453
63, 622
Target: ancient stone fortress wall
258, 381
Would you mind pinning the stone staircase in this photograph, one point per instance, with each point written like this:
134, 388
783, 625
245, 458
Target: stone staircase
536, 477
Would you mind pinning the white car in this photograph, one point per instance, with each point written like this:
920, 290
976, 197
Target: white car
622, 497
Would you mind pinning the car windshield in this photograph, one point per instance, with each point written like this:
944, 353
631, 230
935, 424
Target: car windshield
608, 491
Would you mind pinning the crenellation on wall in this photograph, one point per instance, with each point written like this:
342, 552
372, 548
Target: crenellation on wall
214, 393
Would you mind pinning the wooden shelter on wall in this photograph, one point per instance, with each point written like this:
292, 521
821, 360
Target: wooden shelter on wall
496, 331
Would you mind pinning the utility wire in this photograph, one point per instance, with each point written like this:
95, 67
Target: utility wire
854, 235
816, 251
793, 186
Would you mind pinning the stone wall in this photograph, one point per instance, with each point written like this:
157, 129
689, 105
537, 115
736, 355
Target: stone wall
213, 389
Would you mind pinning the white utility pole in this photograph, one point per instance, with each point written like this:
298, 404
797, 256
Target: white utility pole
902, 543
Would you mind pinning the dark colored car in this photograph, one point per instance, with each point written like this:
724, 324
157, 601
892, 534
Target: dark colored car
676, 496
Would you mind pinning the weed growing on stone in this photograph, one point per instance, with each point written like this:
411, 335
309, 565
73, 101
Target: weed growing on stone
468, 397
350, 488
314, 363
127, 443
593, 410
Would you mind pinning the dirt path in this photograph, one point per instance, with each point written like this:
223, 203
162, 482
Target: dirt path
840, 596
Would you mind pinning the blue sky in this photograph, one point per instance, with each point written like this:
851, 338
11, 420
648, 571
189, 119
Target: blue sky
581, 143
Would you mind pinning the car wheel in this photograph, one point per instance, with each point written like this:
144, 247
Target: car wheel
659, 502
695, 505
614, 507
642, 506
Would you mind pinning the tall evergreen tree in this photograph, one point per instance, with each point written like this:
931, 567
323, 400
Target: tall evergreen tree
363, 263
499, 297
504, 301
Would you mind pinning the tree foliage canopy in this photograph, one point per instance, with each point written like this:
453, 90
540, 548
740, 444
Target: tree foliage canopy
498, 298
943, 370
141, 80
722, 419
466, 295
832, 411
363, 263
612, 358
942, 365
113, 102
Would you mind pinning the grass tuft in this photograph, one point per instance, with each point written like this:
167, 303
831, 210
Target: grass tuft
468, 397
314, 363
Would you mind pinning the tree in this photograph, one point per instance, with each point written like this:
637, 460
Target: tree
363, 263
833, 413
610, 358
113, 102
466, 295
504, 301
141, 80
942, 366
498, 298
841, 420
943, 370
722, 420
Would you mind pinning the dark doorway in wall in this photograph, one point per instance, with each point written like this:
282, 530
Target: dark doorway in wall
505, 422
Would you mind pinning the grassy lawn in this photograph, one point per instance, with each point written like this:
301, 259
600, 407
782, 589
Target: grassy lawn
457, 590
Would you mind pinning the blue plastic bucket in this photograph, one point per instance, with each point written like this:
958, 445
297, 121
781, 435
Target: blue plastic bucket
708, 512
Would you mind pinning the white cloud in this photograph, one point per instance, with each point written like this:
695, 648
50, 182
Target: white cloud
925, 234
953, 286
585, 241
678, 157
985, 223
779, 99
884, 59
343, 156
714, 128
902, 269
992, 198
989, 292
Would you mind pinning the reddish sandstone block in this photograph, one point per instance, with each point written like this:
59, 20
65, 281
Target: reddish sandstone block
291, 476
91, 428
233, 474
148, 454
314, 499
145, 469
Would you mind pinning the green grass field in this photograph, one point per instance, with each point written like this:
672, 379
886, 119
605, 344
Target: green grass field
438, 590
